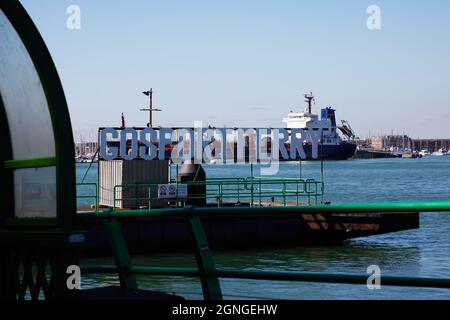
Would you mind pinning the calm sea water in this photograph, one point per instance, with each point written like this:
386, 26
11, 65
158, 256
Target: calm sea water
421, 252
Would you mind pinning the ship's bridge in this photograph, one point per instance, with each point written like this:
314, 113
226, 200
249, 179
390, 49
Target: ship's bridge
306, 120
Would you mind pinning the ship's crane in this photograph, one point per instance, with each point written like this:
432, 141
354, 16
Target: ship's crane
347, 130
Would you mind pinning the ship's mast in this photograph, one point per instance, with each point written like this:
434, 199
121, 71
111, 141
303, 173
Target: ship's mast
309, 99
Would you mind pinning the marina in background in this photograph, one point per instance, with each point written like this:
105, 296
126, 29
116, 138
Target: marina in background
401, 146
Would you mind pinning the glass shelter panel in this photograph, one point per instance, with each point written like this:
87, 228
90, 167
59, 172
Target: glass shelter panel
23, 98
30, 126
35, 192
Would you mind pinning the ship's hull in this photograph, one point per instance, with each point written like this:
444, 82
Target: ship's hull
241, 230
342, 151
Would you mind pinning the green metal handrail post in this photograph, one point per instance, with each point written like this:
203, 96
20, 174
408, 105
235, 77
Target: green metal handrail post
307, 191
238, 191
114, 197
322, 191
220, 194
96, 198
260, 195
251, 177
121, 256
315, 194
210, 282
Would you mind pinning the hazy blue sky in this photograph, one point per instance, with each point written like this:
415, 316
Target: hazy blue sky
247, 63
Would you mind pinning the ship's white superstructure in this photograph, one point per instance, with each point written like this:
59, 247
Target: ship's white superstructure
306, 120
327, 123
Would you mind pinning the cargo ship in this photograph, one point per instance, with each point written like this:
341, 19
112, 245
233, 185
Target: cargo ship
337, 143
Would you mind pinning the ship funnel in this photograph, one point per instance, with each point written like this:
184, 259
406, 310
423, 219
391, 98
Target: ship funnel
329, 113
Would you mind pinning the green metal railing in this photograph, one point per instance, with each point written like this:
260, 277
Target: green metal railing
209, 274
252, 190
89, 195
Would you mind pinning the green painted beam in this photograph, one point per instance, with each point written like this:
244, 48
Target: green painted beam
30, 163
205, 262
98, 269
334, 278
341, 278
434, 206
121, 256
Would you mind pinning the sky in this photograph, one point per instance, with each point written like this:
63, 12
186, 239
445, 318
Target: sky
248, 63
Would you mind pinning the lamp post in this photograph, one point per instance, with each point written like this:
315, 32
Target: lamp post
150, 109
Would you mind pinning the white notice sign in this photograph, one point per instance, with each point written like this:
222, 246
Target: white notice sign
172, 191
